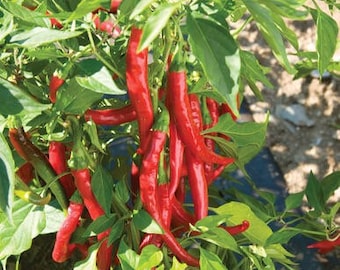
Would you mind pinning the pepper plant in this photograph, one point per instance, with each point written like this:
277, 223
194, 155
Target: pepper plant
118, 117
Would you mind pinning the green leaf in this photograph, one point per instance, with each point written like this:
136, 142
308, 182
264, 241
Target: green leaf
314, 194
219, 56
326, 41
7, 26
150, 257
39, 36
90, 262
209, 260
176, 265
7, 177
329, 184
253, 72
210, 222
116, 231
155, 23
100, 225
54, 218
74, 99
97, 78
25, 14
128, 258
28, 221
219, 237
258, 231
91, 129
266, 23
294, 200
140, 7
281, 237
15, 101
145, 223
84, 7
102, 186
241, 133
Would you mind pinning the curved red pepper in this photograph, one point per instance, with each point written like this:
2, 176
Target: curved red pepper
188, 131
111, 116
82, 179
198, 185
137, 85
57, 158
62, 250
148, 193
326, 246
176, 159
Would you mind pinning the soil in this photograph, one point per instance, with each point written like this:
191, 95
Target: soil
298, 150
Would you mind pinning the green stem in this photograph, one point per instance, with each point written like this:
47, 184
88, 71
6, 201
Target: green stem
99, 57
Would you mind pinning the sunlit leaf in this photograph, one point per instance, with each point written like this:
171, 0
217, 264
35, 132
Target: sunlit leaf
209, 260
39, 36
155, 23
7, 177
28, 221
219, 56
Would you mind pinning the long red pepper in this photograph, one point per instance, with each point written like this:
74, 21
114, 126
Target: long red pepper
57, 158
198, 185
111, 116
326, 246
196, 173
188, 131
213, 109
176, 159
137, 85
31, 153
149, 195
82, 179
62, 250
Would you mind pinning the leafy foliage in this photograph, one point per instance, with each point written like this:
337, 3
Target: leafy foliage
41, 39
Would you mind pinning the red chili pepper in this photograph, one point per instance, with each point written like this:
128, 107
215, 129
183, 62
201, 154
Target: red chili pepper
55, 83
326, 246
137, 85
198, 185
213, 175
57, 158
111, 116
181, 191
26, 172
62, 249
195, 167
176, 159
213, 109
233, 230
188, 131
149, 195
115, 5
82, 179
108, 26
31, 153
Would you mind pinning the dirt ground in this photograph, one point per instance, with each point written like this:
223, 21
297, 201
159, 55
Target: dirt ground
298, 149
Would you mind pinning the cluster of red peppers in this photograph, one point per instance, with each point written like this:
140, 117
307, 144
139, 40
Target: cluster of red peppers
172, 149
171, 152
